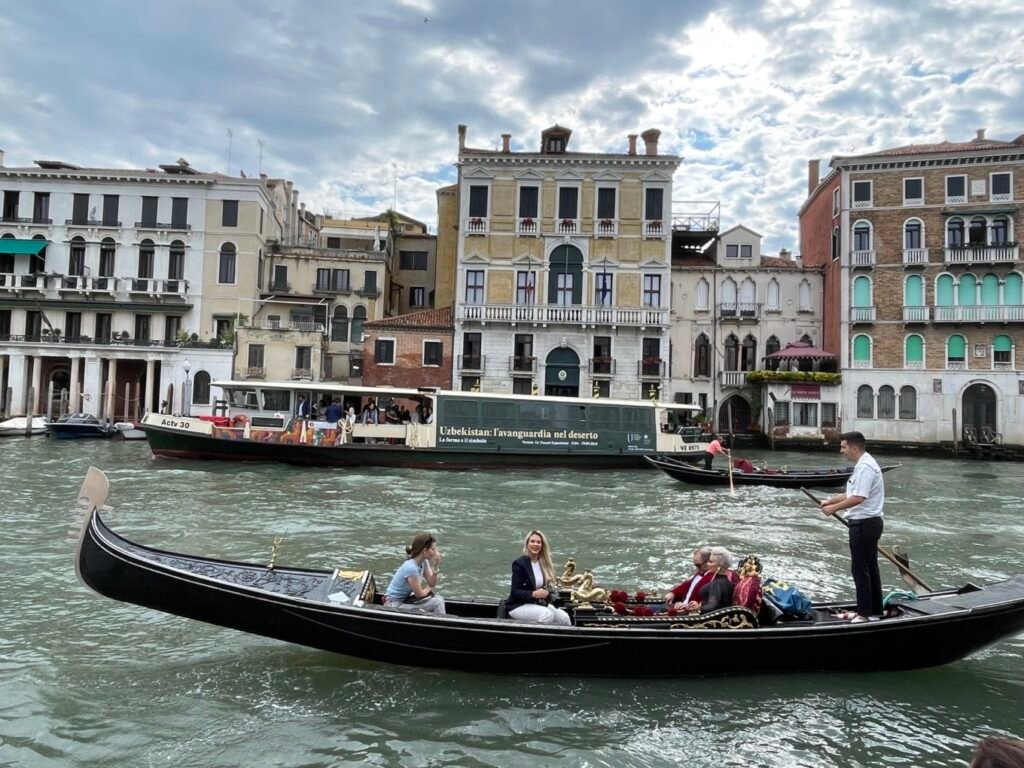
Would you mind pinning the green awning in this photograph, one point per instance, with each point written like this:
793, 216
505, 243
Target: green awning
13, 245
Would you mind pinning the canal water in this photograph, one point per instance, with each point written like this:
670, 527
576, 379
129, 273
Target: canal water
87, 681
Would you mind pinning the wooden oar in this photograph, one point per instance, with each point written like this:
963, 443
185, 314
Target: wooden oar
901, 561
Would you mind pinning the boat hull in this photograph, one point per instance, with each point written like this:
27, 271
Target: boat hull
818, 478
79, 432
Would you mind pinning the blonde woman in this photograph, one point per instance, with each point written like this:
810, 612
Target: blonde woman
532, 579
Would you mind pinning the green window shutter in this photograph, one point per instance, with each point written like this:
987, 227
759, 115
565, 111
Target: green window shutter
862, 292
862, 349
944, 291
914, 292
967, 292
956, 346
990, 290
1011, 289
1001, 343
914, 349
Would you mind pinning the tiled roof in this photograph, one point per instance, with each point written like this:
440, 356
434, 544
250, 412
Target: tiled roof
943, 147
441, 319
777, 262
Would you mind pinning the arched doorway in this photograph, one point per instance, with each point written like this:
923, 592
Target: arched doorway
734, 415
979, 411
562, 373
60, 377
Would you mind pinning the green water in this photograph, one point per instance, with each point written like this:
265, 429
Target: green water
90, 682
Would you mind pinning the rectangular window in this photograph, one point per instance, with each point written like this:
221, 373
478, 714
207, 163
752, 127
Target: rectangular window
176, 263
828, 415
72, 325
304, 359
606, 203
226, 268
477, 202
279, 280
652, 290
323, 279
384, 352
41, 208
563, 289
862, 194
654, 202
412, 260
10, 212
603, 289
781, 412
229, 213
334, 243
603, 354
340, 280
370, 283
913, 193
5, 324
475, 286
732, 251
172, 324
1001, 186
433, 353
746, 251
471, 349
956, 189
470, 383
525, 284
528, 202
568, 202
835, 201
104, 324
110, 206
107, 257
805, 414
179, 212
142, 323
417, 297
80, 209
255, 358
522, 385
33, 323
145, 262
149, 211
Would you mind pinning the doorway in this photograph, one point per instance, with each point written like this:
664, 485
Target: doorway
562, 373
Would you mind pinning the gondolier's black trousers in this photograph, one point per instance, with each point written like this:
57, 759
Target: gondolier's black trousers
708, 458
864, 537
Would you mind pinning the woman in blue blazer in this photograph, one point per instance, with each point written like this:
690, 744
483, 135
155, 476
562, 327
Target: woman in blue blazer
533, 577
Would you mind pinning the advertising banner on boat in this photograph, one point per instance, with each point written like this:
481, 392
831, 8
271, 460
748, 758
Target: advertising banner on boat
546, 440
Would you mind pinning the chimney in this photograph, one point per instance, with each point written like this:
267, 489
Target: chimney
506, 138
785, 254
1, 158
462, 137
980, 134
632, 143
650, 138
813, 169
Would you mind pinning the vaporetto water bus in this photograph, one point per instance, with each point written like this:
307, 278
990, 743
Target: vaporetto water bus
457, 430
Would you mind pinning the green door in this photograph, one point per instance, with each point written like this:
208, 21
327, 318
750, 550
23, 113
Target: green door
562, 373
862, 292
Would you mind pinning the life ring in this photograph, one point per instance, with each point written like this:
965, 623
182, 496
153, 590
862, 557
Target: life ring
240, 421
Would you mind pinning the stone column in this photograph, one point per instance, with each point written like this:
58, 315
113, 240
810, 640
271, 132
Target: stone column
76, 363
110, 389
37, 379
93, 386
16, 370
147, 404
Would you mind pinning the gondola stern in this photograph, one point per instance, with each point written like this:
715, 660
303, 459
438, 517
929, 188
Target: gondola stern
92, 497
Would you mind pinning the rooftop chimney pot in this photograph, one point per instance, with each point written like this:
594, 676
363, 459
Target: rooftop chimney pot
813, 173
462, 137
506, 139
980, 134
632, 143
650, 138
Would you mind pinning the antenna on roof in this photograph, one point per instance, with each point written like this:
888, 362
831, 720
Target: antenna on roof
259, 143
230, 136
394, 197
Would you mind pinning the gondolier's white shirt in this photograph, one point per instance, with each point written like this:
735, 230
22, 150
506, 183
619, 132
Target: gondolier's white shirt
866, 481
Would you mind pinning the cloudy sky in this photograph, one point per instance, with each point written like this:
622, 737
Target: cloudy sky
347, 95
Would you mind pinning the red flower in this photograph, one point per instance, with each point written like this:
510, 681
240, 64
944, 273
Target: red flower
641, 597
619, 608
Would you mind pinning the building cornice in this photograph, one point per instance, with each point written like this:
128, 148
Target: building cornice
527, 160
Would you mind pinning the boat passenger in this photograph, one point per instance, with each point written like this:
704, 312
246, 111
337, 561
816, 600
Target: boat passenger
411, 588
533, 578
714, 448
717, 593
302, 408
333, 411
682, 594
369, 414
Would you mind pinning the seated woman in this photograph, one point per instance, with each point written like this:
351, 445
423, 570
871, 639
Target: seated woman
717, 593
407, 592
532, 577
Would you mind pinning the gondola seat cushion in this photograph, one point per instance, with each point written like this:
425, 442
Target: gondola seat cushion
731, 617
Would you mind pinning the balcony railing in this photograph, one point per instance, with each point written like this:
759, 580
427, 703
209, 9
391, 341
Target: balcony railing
740, 310
638, 317
862, 314
162, 226
654, 229
303, 327
527, 226
25, 220
651, 368
606, 228
302, 373
471, 362
915, 314
733, 378
91, 223
915, 256
344, 290
980, 314
476, 225
982, 254
522, 364
12, 282
602, 366
862, 258
253, 372
567, 226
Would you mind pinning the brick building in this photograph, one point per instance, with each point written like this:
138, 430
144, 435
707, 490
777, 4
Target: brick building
413, 350
924, 284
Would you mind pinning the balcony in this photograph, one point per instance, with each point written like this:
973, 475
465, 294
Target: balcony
471, 362
302, 327
651, 368
110, 224
567, 226
739, 310
606, 228
159, 226
527, 226
862, 314
368, 292
342, 290
733, 379
477, 225
980, 314
915, 257
255, 373
26, 220
915, 314
654, 229
522, 364
18, 283
280, 287
302, 373
601, 366
577, 315
1001, 253
862, 258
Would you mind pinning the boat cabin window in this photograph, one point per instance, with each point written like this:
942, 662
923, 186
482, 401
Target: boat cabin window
277, 400
603, 417
637, 419
462, 413
501, 414
242, 398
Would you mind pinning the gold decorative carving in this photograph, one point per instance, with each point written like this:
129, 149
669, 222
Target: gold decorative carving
273, 552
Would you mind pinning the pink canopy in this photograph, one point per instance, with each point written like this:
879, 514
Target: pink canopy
800, 350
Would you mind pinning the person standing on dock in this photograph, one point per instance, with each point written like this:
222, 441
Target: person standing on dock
865, 498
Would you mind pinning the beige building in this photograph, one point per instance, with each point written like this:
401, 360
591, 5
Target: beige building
562, 268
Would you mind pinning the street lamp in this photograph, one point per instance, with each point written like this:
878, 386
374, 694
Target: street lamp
186, 392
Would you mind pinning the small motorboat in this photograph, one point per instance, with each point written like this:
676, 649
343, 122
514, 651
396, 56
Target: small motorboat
750, 475
75, 426
22, 426
128, 430
340, 611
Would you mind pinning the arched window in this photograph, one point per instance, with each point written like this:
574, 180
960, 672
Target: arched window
702, 357
805, 296
978, 230
862, 351
76, 256
748, 294
728, 297
944, 291
862, 236
176, 261
339, 324
358, 318
913, 351
201, 388
807, 340
862, 291
913, 234
37, 262
1000, 230
732, 349
108, 258
913, 299
565, 276
1012, 284
886, 402
865, 402
908, 403
773, 294
955, 233
147, 253
702, 293
226, 264
748, 358
1002, 352
967, 290
772, 345
956, 352
990, 297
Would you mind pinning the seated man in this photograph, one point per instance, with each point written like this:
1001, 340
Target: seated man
687, 592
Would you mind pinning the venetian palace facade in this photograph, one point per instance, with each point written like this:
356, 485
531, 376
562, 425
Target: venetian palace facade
923, 288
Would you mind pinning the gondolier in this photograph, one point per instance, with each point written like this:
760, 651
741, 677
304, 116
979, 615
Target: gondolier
714, 447
865, 498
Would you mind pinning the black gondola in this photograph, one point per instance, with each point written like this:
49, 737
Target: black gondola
778, 478
298, 605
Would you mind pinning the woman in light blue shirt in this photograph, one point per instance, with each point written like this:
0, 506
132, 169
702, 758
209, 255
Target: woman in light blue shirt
411, 588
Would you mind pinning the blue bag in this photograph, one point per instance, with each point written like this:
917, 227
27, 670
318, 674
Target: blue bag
786, 598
